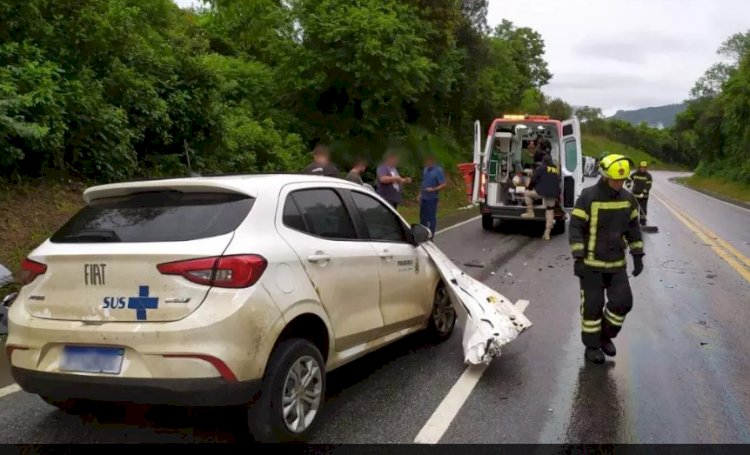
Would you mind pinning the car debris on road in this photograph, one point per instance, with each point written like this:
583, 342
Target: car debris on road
491, 321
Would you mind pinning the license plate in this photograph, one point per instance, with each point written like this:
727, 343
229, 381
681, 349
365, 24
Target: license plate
86, 359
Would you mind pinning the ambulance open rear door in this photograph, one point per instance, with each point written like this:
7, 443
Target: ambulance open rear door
571, 162
480, 171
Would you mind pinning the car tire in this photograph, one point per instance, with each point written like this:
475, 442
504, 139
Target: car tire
488, 223
559, 227
443, 315
281, 384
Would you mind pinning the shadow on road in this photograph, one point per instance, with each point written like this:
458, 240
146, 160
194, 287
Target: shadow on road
597, 416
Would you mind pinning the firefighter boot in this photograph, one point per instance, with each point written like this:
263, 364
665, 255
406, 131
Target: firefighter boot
549, 217
608, 347
595, 355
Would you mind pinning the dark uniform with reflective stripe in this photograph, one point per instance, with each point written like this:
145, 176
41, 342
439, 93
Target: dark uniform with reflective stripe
641, 188
603, 224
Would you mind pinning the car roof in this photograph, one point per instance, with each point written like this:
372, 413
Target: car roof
249, 184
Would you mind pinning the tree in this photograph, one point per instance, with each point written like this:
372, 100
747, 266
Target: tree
710, 84
559, 109
588, 114
528, 51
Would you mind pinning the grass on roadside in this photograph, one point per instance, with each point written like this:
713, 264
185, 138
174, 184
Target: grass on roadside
30, 213
595, 145
732, 190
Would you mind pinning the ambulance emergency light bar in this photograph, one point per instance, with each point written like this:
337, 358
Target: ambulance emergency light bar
525, 117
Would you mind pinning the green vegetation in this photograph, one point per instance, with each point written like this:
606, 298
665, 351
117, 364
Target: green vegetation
114, 89
721, 187
595, 145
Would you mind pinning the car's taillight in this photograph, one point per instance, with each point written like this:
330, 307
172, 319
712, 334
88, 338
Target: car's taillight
30, 270
239, 271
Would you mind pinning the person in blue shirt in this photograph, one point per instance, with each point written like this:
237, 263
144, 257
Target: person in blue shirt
433, 181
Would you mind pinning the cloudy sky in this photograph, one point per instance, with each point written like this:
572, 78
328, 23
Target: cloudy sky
624, 54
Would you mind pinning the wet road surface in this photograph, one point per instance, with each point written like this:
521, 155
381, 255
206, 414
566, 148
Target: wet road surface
680, 374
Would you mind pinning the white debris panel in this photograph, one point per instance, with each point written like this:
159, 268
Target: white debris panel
490, 320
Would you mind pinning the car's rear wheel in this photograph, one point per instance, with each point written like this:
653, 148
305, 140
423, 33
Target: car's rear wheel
292, 394
488, 223
443, 316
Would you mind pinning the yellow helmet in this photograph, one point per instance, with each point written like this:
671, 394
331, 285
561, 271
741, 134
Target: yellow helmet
643, 164
615, 167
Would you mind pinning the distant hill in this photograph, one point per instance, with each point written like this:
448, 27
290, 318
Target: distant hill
657, 117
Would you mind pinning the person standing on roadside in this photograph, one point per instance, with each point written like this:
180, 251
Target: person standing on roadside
355, 174
389, 182
433, 181
321, 164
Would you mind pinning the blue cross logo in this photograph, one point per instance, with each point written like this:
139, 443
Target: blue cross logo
142, 303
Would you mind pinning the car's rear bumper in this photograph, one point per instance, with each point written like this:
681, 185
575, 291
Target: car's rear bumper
178, 392
515, 212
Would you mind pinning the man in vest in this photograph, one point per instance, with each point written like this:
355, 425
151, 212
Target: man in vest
545, 185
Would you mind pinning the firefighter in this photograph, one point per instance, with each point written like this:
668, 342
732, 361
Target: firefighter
640, 183
544, 185
603, 223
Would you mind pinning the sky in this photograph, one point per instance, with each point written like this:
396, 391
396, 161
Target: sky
624, 54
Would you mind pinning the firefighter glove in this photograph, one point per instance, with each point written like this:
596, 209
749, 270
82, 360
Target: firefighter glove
579, 268
637, 265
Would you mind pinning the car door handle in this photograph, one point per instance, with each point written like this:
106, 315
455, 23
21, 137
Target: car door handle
386, 255
318, 258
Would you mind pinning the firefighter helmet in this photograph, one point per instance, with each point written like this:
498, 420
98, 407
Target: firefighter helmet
643, 164
615, 167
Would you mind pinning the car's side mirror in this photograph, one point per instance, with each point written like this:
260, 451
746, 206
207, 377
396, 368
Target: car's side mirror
420, 234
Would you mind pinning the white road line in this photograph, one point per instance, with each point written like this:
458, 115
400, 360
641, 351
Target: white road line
441, 419
7, 390
458, 225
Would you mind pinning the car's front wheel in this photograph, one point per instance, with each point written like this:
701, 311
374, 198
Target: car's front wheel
443, 316
292, 394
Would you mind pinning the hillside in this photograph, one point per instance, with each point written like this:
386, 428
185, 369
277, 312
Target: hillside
595, 145
654, 116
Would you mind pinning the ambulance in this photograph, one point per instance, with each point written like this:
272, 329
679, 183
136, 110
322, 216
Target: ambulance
504, 166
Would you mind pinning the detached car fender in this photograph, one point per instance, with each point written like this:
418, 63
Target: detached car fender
490, 320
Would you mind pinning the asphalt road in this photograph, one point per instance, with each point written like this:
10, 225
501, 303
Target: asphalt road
680, 375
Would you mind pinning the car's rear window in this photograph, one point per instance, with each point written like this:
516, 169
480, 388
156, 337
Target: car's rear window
161, 216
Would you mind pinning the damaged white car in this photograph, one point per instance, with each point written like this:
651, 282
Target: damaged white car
241, 290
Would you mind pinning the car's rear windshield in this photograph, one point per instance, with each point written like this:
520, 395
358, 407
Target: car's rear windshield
159, 216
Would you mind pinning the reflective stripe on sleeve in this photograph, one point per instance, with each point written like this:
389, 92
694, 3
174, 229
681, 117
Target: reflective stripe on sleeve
636, 245
580, 214
577, 247
634, 214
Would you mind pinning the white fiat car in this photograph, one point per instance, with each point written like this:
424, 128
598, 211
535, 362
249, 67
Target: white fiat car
212, 291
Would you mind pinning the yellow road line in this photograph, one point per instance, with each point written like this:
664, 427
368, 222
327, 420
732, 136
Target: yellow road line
725, 251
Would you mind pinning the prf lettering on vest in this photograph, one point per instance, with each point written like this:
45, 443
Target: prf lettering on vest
552, 170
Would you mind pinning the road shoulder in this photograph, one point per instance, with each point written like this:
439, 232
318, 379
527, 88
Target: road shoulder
683, 181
